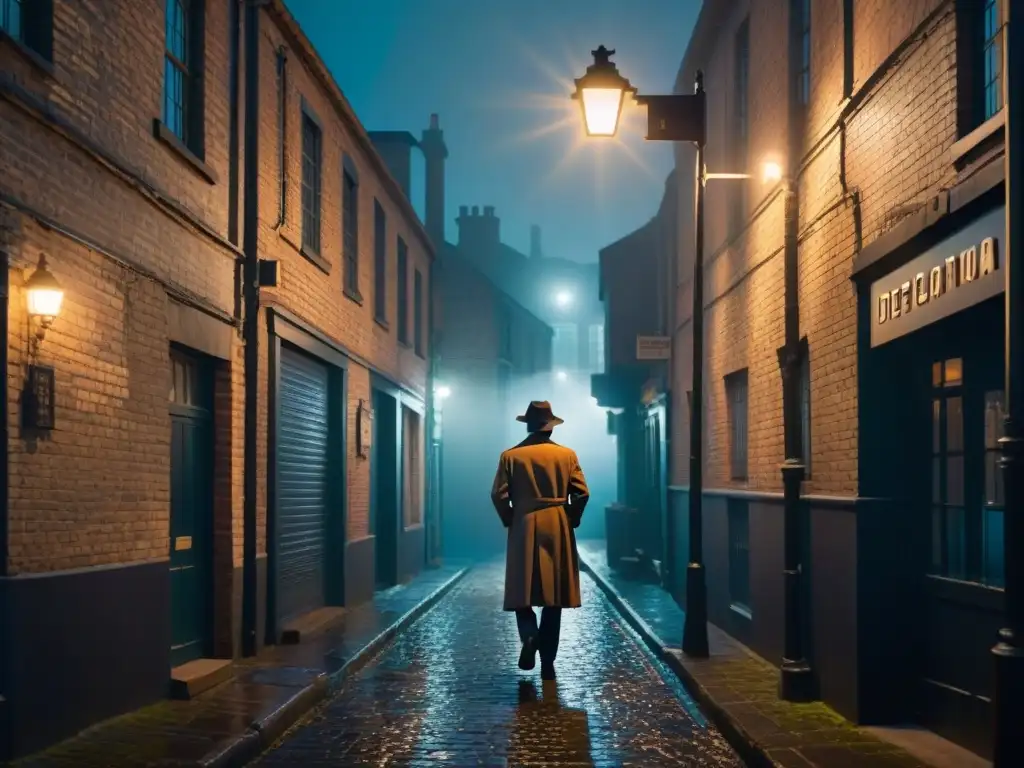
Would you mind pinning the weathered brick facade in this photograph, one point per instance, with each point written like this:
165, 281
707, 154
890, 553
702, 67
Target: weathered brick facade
888, 128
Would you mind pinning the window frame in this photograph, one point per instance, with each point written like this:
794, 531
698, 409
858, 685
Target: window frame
350, 229
417, 310
189, 65
975, 49
402, 291
312, 182
380, 263
737, 391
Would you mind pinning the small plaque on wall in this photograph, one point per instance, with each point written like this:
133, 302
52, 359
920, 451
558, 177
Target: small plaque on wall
364, 429
39, 397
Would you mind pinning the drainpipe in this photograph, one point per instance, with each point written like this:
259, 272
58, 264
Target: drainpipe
250, 323
233, 153
282, 124
5, 283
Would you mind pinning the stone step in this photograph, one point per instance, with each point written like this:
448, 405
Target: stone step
193, 678
310, 624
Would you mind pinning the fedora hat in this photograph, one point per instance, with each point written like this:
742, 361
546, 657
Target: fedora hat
539, 418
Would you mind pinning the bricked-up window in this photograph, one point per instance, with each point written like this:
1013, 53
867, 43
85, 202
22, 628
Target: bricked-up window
312, 167
183, 43
417, 312
805, 414
736, 394
802, 25
740, 124
739, 556
413, 476
380, 262
402, 290
350, 230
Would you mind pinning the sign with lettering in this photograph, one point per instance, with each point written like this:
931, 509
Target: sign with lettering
958, 273
653, 347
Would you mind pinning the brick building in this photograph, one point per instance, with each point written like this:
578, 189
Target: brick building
163, 516
887, 117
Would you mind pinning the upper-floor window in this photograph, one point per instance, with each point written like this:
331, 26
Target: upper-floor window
312, 149
10, 18
380, 263
979, 61
736, 393
30, 22
740, 123
402, 291
565, 349
595, 347
802, 12
183, 83
417, 309
350, 229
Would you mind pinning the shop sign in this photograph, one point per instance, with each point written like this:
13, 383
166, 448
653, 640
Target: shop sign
958, 273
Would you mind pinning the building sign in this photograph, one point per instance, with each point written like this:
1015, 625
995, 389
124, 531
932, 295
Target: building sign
958, 273
653, 347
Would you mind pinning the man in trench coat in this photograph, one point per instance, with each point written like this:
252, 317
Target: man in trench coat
539, 493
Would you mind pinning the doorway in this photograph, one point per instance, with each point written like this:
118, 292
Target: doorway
386, 499
191, 523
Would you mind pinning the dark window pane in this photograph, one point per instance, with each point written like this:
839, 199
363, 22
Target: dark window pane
937, 481
993, 563
10, 18
994, 417
956, 543
937, 526
955, 480
954, 425
936, 426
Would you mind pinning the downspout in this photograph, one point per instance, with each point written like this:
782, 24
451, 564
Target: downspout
5, 283
234, 154
250, 323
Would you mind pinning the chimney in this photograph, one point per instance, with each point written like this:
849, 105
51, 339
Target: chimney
435, 153
535, 250
479, 234
396, 149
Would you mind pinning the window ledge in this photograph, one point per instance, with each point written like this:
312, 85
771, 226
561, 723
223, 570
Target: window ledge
168, 137
37, 60
353, 295
382, 323
987, 130
741, 610
316, 259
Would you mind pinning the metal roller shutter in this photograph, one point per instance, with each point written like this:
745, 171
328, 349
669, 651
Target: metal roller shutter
302, 439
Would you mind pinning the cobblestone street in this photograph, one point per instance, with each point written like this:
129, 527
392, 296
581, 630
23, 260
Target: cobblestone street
448, 691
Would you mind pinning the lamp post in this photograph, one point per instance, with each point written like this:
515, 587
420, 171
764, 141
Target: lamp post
678, 117
1008, 699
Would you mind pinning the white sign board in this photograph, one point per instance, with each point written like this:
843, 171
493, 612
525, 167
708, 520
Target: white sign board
653, 347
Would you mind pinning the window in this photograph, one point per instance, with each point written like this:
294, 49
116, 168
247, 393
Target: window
993, 566
595, 348
311, 168
949, 544
403, 292
741, 124
805, 413
565, 347
350, 229
183, 43
739, 556
417, 308
979, 61
802, 23
10, 18
30, 22
736, 394
413, 475
380, 262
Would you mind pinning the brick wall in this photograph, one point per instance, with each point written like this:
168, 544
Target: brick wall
897, 138
312, 289
80, 156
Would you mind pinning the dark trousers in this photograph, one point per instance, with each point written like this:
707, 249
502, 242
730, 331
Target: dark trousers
546, 634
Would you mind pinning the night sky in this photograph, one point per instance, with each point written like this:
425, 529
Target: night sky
499, 73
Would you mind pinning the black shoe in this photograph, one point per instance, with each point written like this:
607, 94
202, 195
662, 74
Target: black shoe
528, 656
547, 670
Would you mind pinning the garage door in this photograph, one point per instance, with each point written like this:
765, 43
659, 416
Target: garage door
301, 483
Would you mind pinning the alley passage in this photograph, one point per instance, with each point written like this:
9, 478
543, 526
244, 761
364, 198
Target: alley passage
448, 691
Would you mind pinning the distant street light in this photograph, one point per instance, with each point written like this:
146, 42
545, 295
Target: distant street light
563, 299
443, 392
562, 376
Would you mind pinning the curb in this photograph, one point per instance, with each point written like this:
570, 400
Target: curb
261, 734
749, 750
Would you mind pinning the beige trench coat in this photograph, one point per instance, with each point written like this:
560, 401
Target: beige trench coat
539, 493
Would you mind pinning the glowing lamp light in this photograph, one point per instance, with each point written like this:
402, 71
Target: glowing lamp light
45, 296
443, 392
563, 299
562, 376
771, 172
601, 93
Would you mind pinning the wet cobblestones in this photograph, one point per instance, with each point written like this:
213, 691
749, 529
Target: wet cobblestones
447, 691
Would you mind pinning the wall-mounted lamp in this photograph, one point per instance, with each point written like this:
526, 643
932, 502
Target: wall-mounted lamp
45, 297
443, 392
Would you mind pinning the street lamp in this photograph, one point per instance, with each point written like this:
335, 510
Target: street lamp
679, 117
44, 298
563, 299
443, 392
562, 376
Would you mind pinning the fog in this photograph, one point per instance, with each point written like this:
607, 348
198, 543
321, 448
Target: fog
477, 426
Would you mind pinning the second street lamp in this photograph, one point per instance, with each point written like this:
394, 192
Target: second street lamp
678, 117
